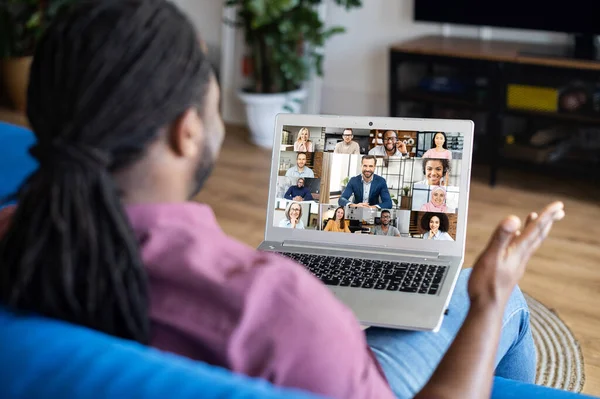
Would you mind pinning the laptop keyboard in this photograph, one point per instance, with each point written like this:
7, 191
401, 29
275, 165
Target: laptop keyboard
373, 274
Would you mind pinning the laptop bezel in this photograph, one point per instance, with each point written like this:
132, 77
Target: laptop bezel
444, 248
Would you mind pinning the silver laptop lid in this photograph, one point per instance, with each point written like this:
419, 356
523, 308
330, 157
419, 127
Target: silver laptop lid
428, 189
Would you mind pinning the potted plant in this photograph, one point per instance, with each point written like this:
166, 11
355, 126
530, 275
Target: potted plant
344, 183
22, 23
285, 39
406, 201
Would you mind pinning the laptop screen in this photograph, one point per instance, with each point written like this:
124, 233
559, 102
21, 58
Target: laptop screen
367, 181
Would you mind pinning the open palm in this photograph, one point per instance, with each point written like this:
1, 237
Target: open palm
502, 264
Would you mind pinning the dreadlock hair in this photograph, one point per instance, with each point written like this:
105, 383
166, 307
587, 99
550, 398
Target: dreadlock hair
106, 77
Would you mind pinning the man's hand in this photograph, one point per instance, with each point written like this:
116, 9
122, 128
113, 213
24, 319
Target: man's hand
402, 147
467, 368
298, 198
502, 264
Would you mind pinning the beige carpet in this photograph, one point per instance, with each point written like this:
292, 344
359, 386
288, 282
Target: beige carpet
560, 361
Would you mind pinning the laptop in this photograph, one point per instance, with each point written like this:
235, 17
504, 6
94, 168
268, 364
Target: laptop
394, 251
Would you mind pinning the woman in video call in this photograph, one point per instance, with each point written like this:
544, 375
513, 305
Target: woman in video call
439, 148
338, 224
303, 143
437, 203
436, 226
293, 217
436, 172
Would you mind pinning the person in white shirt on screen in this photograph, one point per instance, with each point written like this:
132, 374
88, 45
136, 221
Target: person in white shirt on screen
293, 217
439, 147
391, 147
300, 170
436, 226
385, 229
347, 146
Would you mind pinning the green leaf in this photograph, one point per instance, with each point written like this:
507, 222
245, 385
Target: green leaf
286, 39
34, 21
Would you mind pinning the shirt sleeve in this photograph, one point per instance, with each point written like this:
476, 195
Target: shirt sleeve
295, 333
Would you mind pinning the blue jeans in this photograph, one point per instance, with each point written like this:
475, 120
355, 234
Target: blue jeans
408, 358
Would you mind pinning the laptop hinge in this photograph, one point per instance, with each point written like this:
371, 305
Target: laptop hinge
362, 249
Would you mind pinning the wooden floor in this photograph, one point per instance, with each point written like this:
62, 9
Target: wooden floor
564, 274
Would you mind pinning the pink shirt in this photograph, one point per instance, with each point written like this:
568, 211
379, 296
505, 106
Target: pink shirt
433, 153
260, 314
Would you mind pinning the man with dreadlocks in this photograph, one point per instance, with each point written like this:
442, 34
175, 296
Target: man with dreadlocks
124, 106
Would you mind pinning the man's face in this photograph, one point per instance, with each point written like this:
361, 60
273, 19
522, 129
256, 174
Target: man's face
368, 168
301, 161
214, 132
385, 219
347, 136
300, 183
389, 140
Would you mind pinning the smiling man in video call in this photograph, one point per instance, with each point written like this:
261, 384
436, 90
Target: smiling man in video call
369, 190
391, 147
298, 192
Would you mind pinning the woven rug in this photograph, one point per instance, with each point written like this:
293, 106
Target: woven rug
559, 357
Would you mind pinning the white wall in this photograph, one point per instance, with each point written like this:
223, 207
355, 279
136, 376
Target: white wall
356, 62
207, 15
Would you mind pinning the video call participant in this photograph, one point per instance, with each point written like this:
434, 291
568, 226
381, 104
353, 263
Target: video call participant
391, 146
303, 142
385, 229
347, 146
369, 189
298, 192
436, 226
339, 224
439, 148
436, 171
437, 203
293, 217
300, 170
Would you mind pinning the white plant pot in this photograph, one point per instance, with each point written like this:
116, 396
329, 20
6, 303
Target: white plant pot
261, 110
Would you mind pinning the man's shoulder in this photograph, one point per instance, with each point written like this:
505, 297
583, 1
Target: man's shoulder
378, 179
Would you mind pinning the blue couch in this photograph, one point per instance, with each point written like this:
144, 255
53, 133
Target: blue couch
42, 358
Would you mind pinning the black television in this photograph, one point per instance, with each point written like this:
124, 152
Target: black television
579, 18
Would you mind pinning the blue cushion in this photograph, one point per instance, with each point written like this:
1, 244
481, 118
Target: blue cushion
42, 358
15, 162
509, 389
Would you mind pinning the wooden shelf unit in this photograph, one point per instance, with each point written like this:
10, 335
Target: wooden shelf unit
499, 63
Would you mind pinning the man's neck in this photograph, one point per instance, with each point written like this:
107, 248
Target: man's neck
367, 180
384, 227
300, 169
390, 153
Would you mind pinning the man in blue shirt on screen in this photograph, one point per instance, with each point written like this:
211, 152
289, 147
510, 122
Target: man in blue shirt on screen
298, 192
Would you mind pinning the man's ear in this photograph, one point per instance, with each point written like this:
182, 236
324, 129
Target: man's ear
186, 134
